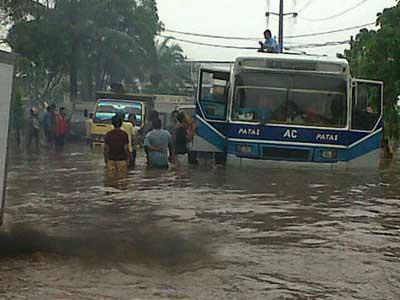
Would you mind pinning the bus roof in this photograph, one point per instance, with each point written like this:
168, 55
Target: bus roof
293, 57
293, 62
285, 62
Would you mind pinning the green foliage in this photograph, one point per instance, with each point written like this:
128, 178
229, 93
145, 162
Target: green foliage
17, 118
92, 43
170, 73
376, 55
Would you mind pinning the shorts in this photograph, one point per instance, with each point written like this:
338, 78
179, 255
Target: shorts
117, 167
181, 159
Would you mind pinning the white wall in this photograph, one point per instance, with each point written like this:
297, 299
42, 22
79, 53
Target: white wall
6, 77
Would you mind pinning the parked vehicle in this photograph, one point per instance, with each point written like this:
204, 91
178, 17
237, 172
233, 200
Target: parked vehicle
110, 103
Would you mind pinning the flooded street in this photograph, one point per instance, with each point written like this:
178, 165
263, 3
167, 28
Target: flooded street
197, 233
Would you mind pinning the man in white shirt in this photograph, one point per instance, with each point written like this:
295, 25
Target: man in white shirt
130, 131
134, 140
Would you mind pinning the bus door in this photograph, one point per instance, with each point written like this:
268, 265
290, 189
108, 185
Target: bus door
212, 111
366, 122
367, 105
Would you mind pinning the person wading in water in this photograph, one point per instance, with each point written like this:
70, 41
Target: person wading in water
157, 143
62, 130
134, 140
116, 151
34, 130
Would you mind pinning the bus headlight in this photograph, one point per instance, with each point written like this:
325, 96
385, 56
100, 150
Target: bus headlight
329, 154
244, 149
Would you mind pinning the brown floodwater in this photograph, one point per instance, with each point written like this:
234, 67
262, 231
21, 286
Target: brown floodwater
197, 233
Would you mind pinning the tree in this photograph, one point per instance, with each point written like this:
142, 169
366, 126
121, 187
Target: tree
92, 42
17, 120
41, 64
170, 74
376, 55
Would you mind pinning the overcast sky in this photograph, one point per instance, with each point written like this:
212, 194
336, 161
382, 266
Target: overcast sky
247, 18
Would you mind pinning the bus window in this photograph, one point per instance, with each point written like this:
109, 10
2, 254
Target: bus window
318, 101
367, 105
317, 108
214, 94
260, 104
302, 100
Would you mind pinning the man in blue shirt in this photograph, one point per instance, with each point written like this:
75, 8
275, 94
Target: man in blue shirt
158, 143
270, 44
48, 122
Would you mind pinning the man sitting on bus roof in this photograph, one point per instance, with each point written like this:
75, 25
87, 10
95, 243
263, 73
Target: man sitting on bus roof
270, 44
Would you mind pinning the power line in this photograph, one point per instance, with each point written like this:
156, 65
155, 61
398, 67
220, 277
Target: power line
305, 6
296, 46
336, 15
207, 44
335, 43
331, 31
211, 36
254, 39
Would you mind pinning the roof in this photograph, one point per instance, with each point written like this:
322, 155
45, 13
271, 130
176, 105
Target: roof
294, 63
217, 67
290, 57
308, 62
123, 96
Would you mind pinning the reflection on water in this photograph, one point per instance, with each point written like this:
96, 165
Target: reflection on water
197, 233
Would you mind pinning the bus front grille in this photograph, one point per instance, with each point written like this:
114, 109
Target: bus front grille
292, 154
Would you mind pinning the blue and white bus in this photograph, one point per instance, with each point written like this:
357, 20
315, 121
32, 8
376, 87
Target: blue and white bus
289, 110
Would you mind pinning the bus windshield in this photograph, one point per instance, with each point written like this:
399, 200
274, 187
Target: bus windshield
307, 100
106, 109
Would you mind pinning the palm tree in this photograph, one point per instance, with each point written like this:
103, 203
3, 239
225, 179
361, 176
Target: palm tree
169, 73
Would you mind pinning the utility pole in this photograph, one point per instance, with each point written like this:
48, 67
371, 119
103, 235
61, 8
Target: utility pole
267, 16
280, 38
281, 16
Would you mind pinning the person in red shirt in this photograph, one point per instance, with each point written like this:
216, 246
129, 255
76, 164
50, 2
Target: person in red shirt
116, 149
61, 129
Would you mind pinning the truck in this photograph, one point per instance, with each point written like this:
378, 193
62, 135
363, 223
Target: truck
110, 103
